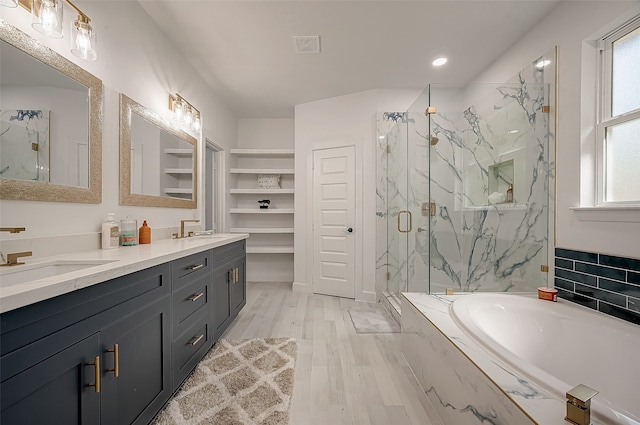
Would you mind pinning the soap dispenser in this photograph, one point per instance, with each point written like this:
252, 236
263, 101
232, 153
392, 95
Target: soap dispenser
144, 234
110, 233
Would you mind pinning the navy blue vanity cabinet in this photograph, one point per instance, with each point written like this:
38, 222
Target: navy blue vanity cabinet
229, 285
192, 285
58, 357
143, 382
55, 390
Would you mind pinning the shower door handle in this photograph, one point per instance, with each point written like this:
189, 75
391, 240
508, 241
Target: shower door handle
410, 221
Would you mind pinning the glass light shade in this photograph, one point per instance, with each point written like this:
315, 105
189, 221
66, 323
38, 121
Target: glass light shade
9, 3
47, 17
188, 117
197, 124
178, 110
83, 40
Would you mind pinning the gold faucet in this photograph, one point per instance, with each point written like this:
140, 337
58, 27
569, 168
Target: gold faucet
12, 259
182, 226
12, 229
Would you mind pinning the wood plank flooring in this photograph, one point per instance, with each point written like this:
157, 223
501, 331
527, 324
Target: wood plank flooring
342, 378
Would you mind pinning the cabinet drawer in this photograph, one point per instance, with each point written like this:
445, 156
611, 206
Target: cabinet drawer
189, 348
222, 254
185, 270
189, 300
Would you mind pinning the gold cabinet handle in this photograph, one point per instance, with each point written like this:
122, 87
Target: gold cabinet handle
116, 360
96, 365
197, 267
196, 297
196, 340
236, 277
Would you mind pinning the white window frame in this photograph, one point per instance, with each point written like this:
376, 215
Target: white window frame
605, 119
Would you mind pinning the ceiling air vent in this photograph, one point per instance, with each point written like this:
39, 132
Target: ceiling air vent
306, 44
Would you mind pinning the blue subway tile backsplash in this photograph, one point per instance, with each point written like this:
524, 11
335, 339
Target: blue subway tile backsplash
602, 282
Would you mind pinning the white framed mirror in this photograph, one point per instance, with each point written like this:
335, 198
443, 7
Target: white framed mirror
50, 124
158, 162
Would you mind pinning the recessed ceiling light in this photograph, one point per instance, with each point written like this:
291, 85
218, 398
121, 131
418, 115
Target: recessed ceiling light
439, 61
512, 131
542, 63
381, 137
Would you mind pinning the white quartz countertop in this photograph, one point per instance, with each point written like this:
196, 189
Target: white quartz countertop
118, 262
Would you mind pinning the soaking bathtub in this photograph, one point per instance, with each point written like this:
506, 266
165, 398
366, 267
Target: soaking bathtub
527, 354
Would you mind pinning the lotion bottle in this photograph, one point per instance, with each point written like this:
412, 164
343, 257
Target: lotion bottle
509, 197
144, 234
110, 233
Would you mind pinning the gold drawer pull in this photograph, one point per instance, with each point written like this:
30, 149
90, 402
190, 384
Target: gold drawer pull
197, 267
96, 365
196, 340
236, 277
116, 360
196, 297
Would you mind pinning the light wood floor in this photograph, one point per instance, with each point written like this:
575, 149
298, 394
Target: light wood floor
341, 377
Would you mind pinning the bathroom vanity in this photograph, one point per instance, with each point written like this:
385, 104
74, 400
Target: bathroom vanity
113, 351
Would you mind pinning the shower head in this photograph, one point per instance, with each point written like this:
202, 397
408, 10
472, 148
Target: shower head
434, 140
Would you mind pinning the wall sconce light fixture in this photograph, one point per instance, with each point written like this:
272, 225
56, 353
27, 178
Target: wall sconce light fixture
47, 19
184, 113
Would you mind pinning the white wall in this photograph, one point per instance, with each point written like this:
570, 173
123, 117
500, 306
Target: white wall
267, 134
588, 19
134, 58
353, 118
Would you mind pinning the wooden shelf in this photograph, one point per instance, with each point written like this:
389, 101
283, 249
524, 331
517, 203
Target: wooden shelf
262, 171
178, 171
265, 230
178, 151
263, 152
261, 191
269, 250
261, 211
178, 190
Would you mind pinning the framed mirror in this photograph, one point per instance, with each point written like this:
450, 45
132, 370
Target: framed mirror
50, 124
158, 162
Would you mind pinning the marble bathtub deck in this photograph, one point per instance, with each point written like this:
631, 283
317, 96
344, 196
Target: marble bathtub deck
537, 403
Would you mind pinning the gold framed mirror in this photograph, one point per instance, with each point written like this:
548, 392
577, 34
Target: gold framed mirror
50, 124
158, 162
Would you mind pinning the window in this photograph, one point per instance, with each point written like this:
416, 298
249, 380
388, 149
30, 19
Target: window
619, 119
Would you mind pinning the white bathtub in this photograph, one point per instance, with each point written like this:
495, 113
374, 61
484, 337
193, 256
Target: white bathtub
560, 345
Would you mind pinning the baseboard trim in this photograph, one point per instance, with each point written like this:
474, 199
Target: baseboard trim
367, 296
301, 287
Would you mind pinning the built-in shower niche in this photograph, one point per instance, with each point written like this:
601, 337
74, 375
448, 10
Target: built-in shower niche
486, 182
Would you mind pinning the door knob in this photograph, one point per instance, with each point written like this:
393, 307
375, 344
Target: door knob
350, 229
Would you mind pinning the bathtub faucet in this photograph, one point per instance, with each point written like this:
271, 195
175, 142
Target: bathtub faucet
579, 405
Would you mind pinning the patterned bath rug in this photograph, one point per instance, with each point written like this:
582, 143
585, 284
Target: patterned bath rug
373, 321
239, 382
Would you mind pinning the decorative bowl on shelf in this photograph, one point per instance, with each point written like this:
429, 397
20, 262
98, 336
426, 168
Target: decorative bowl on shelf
264, 203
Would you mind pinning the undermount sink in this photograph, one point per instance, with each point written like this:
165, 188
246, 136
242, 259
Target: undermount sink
205, 234
13, 275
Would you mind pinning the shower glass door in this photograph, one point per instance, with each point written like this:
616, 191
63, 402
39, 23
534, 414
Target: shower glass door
489, 181
398, 220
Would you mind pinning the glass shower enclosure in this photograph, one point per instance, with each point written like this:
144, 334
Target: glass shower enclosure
466, 189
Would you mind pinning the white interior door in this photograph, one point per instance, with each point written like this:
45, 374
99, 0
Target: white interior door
334, 206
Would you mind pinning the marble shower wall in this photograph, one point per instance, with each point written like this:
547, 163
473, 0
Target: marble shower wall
500, 139
489, 135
